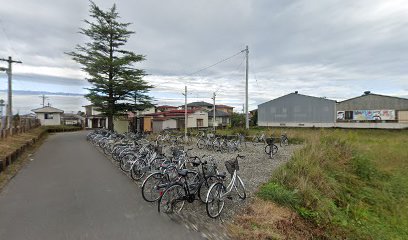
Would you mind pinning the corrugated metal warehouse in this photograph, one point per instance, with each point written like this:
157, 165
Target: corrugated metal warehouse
297, 110
373, 110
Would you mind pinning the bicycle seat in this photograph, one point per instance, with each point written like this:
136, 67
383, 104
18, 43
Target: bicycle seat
222, 174
183, 172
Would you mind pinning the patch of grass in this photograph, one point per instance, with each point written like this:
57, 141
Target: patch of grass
10, 144
354, 183
278, 193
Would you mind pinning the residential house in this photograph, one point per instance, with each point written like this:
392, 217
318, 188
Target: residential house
72, 119
174, 119
94, 118
222, 112
48, 115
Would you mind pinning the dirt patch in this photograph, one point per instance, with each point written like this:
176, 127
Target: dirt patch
266, 220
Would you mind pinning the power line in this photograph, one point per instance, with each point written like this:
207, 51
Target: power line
212, 65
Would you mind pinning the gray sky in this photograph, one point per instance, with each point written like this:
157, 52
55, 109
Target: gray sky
332, 48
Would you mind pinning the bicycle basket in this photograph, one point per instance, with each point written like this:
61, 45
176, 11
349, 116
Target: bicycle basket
232, 165
269, 141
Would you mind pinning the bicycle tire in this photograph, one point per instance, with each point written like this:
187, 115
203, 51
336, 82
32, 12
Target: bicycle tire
201, 144
204, 187
172, 199
150, 190
136, 171
215, 200
274, 150
241, 192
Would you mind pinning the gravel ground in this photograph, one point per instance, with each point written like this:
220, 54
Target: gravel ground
255, 169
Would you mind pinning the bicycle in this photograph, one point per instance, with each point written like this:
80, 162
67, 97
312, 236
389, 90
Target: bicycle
271, 148
284, 141
217, 193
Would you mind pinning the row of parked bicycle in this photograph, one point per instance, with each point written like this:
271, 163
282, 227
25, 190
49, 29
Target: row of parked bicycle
174, 179
230, 144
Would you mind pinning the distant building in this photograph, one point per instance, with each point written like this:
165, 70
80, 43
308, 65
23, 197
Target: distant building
297, 110
174, 119
48, 115
94, 118
373, 111
72, 119
222, 112
366, 111
222, 118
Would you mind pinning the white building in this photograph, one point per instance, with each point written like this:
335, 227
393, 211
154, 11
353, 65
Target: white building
48, 115
94, 118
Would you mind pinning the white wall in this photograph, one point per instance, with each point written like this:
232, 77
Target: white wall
48, 122
338, 125
192, 119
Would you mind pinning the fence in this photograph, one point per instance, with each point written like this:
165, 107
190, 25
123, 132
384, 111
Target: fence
20, 126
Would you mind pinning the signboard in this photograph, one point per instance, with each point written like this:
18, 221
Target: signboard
341, 115
373, 115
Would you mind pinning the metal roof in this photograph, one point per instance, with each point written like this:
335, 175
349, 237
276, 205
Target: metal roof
47, 109
218, 113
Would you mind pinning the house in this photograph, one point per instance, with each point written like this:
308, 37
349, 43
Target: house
222, 112
94, 118
224, 108
165, 108
297, 110
174, 119
222, 118
72, 119
48, 115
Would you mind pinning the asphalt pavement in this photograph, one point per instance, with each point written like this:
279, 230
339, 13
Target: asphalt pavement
71, 191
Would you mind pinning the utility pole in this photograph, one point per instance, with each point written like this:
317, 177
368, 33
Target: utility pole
185, 113
43, 99
246, 89
10, 97
1, 113
213, 111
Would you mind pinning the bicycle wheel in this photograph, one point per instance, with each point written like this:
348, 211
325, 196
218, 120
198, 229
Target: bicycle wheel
240, 188
205, 185
125, 164
153, 186
172, 200
200, 143
274, 150
267, 149
214, 203
285, 141
137, 171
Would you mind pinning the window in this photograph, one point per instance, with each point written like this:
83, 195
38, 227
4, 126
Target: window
48, 116
200, 122
349, 115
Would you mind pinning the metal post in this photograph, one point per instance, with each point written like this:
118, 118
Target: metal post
10, 97
185, 113
214, 111
246, 89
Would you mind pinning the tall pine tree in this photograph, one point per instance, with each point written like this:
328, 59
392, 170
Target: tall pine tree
117, 86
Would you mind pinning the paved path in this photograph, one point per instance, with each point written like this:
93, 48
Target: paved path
70, 191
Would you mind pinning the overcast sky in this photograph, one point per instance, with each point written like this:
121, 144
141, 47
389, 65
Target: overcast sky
333, 48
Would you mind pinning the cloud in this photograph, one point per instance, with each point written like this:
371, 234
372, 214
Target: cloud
334, 48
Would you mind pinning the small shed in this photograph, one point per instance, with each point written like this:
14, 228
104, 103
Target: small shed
48, 115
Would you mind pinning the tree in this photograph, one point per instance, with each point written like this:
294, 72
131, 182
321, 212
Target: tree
237, 119
117, 86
